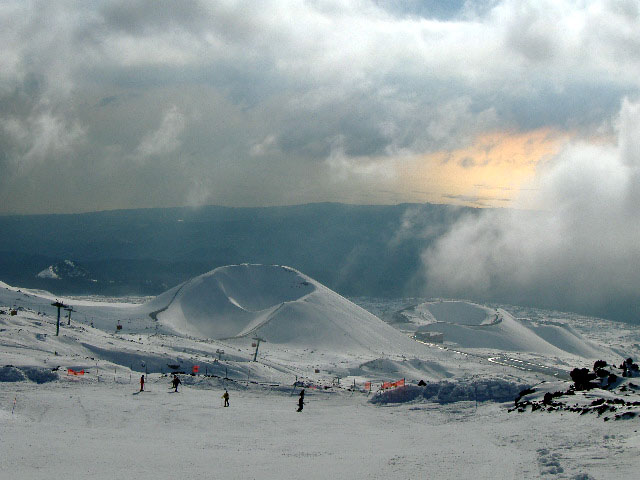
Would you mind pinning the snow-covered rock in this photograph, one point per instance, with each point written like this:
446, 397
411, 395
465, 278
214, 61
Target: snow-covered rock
64, 269
481, 389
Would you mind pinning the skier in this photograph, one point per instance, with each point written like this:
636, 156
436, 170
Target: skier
175, 382
225, 395
142, 383
300, 401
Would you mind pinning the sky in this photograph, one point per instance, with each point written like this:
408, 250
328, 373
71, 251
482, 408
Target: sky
128, 104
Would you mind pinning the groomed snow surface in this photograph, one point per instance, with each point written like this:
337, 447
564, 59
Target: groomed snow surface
99, 425
80, 429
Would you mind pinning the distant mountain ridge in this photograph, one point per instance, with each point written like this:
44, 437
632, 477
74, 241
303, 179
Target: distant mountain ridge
353, 249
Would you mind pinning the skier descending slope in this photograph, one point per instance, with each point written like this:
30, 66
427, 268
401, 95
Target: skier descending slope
301, 401
142, 383
175, 382
225, 395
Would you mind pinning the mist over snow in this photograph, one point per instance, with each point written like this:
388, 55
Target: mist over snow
573, 244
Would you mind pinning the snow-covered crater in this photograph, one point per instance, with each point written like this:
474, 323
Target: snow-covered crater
277, 304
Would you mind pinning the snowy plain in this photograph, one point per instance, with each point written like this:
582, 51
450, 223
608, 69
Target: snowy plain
98, 425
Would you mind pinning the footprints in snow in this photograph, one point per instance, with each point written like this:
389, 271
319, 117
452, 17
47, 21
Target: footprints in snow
549, 462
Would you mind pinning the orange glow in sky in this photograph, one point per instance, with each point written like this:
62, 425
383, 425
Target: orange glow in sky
488, 173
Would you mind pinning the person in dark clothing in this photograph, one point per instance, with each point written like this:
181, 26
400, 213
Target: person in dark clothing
225, 395
175, 382
301, 401
142, 383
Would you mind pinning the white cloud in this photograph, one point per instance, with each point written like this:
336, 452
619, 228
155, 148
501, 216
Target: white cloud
39, 138
268, 144
343, 168
578, 250
166, 139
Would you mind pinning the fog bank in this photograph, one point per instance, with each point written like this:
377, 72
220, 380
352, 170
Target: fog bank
571, 243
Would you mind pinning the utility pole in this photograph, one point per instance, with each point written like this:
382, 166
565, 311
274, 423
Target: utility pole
59, 305
257, 344
69, 309
219, 352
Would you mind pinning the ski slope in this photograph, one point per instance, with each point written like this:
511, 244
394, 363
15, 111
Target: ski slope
306, 331
99, 425
78, 429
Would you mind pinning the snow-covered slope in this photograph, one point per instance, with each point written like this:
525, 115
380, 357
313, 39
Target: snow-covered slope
231, 301
316, 339
473, 327
278, 304
108, 425
309, 332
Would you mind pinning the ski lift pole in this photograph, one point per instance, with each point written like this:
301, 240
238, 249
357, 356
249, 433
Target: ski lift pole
58, 305
258, 340
69, 309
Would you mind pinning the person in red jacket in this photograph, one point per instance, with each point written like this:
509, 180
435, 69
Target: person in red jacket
142, 383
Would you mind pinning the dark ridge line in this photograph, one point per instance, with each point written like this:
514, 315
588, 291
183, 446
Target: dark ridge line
154, 314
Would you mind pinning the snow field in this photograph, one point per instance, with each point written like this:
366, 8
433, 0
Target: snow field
79, 427
76, 429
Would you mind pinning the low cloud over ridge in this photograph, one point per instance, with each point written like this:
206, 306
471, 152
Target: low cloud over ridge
575, 246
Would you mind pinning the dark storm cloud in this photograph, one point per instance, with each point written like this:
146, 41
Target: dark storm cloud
575, 106
140, 16
143, 103
436, 9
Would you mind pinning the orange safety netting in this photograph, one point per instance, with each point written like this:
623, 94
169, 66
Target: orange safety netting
399, 383
70, 371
